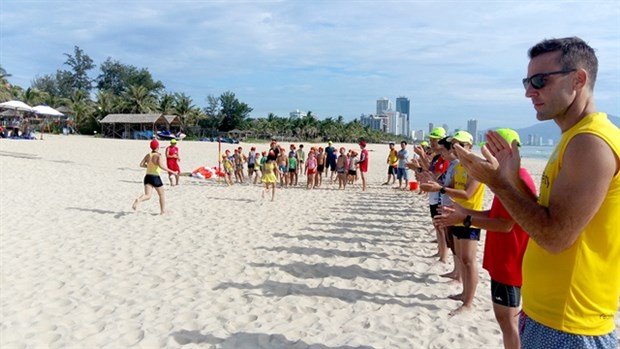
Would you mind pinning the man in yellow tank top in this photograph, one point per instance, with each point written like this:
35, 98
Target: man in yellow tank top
571, 268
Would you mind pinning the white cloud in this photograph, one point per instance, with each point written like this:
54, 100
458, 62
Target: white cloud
457, 59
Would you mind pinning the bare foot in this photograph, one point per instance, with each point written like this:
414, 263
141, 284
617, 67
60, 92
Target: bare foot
456, 297
135, 205
450, 275
463, 308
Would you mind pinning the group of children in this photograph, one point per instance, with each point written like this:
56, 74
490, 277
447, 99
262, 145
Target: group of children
279, 166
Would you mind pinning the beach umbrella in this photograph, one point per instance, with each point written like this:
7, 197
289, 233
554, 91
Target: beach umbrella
16, 105
46, 110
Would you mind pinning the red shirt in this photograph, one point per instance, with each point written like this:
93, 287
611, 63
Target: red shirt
503, 252
439, 165
364, 163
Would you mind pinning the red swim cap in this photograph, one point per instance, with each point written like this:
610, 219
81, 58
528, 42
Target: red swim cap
154, 144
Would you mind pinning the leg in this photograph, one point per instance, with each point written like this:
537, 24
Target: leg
508, 320
148, 189
363, 181
162, 199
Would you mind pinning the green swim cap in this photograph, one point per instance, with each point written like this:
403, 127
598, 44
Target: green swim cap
509, 135
437, 132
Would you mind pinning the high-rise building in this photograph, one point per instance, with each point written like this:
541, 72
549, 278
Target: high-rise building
472, 128
431, 126
402, 106
297, 114
445, 127
418, 135
383, 105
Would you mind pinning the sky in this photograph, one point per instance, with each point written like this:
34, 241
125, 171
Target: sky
454, 60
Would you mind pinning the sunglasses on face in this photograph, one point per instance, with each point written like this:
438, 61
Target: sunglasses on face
538, 80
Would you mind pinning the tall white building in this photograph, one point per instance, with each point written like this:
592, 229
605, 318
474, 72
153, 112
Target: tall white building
383, 105
418, 135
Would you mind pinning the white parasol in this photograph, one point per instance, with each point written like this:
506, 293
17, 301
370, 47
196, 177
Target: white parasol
46, 110
16, 105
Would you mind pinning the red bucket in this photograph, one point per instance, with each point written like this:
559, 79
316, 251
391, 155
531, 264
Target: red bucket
413, 185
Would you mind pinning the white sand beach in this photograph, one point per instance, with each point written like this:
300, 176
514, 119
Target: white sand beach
320, 269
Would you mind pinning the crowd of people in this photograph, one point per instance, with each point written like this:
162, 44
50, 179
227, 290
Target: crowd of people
556, 251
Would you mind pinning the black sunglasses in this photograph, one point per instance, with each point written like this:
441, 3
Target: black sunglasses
538, 80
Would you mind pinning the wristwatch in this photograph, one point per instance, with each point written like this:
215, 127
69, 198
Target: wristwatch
442, 190
467, 221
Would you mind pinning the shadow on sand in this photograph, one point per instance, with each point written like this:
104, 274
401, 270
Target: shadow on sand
246, 340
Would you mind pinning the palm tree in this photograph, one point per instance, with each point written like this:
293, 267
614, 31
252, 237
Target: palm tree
138, 100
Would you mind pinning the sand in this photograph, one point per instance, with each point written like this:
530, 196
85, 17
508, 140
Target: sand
226, 268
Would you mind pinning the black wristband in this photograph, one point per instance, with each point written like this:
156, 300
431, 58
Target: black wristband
467, 221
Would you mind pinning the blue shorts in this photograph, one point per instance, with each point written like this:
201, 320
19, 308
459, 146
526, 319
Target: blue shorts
401, 173
535, 335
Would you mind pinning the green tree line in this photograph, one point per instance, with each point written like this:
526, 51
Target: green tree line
125, 89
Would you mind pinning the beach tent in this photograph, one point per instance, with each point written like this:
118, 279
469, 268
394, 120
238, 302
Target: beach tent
136, 125
16, 106
46, 111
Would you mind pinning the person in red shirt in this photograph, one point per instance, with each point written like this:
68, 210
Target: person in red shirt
363, 163
503, 252
172, 160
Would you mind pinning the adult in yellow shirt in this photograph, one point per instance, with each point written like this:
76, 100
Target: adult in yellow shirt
571, 267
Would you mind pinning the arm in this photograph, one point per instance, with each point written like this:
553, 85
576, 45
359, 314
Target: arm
145, 161
574, 199
456, 215
162, 164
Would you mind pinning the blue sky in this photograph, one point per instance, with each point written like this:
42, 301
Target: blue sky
455, 60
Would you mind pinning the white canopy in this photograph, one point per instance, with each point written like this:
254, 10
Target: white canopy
16, 105
46, 110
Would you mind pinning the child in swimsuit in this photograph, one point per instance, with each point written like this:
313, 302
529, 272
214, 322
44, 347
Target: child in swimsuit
270, 177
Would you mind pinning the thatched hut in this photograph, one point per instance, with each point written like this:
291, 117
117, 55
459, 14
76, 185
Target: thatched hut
137, 126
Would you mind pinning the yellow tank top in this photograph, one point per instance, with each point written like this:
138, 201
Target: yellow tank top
152, 168
577, 290
460, 182
393, 157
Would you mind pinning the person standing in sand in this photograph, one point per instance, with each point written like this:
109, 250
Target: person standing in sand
172, 160
340, 167
392, 162
320, 167
270, 175
401, 169
311, 170
503, 252
153, 162
363, 163
571, 273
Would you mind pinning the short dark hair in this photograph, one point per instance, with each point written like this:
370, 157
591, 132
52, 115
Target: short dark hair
576, 54
403, 141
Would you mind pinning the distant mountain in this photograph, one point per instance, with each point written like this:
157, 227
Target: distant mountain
549, 130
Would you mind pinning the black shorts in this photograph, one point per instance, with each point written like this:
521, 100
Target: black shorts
153, 180
250, 166
463, 233
292, 170
352, 172
320, 168
434, 210
391, 170
450, 239
506, 295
